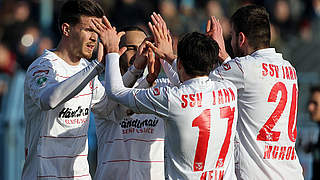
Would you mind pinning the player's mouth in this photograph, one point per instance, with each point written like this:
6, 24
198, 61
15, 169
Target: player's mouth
91, 46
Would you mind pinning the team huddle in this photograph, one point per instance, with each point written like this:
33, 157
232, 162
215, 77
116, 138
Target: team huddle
211, 118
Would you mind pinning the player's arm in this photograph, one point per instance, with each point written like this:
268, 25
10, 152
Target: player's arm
105, 106
139, 100
151, 100
232, 70
48, 93
214, 30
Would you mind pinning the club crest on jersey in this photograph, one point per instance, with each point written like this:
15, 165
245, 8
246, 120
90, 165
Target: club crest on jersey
41, 81
226, 66
156, 91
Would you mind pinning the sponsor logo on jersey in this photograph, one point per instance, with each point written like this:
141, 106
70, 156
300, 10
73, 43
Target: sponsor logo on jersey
130, 125
71, 113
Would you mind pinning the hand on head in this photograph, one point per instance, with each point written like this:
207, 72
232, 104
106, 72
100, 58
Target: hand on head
108, 35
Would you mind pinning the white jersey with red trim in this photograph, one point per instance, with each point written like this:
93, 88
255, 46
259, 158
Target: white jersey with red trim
200, 118
56, 139
267, 99
129, 146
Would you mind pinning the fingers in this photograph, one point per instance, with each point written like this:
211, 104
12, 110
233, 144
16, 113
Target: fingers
106, 22
208, 25
120, 34
122, 50
156, 34
153, 47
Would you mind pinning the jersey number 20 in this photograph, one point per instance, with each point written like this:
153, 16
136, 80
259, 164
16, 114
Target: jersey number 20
266, 133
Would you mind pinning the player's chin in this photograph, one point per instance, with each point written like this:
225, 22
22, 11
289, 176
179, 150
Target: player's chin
87, 55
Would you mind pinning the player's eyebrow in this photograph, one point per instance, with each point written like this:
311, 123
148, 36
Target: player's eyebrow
131, 47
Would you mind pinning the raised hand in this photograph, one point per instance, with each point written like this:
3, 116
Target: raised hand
214, 30
162, 40
140, 61
154, 67
108, 35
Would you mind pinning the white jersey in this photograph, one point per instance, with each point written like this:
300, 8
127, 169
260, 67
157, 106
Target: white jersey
200, 118
267, 99
130, 147
56, 140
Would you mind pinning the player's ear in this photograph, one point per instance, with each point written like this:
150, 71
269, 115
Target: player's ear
65, 29
241, 39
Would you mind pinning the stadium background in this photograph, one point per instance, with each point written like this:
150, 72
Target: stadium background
28, 27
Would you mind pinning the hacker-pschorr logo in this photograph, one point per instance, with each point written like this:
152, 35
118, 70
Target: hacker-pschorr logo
70, 113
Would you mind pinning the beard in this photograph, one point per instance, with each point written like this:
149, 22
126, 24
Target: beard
237, 51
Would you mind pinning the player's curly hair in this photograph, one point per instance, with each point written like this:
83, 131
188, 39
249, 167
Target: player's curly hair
72, 10
253, 21
198, 53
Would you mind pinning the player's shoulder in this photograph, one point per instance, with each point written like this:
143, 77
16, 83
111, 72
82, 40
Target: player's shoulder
46, 60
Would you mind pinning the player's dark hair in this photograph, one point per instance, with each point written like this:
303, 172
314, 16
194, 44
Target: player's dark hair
72, 10
198, 53
253, 21
314, 89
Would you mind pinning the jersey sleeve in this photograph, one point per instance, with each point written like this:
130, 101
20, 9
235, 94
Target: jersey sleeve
39, 78
103, 106
151, 100
49, 93
231, 70
171, 71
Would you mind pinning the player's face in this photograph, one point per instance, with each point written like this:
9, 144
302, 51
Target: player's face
132, 41
235, 43
83, 38
314, 106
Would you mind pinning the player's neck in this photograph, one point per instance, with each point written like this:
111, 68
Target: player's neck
188, 77
66, 53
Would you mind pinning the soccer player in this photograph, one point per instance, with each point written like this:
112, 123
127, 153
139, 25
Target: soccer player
130, 146
60, 89
267, 97
200, 115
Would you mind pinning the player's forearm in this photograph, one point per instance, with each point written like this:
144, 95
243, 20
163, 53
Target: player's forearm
170, 71
106, 106
67, 89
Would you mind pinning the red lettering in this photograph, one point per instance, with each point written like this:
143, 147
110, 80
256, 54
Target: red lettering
288, 153
293, 155
199, 99
282, 152
267, 152
271, 70
220, 97
265, 70
277, 71
232, 94
275, 152
287, 73
226, 94
193, 101
214, 98
184, 102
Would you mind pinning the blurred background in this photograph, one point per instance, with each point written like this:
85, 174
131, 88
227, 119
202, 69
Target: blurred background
29, 27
